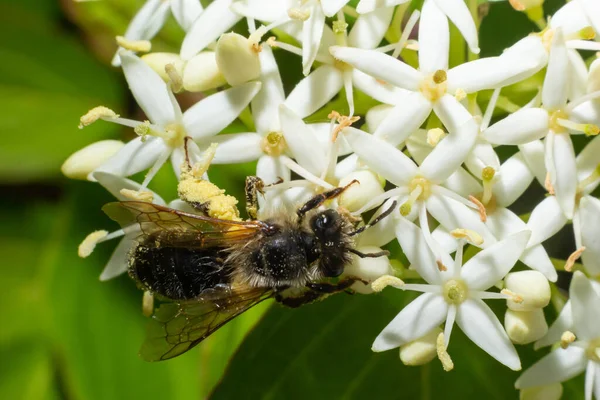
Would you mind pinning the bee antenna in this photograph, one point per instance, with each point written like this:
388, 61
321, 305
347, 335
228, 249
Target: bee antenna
376, 220
370, 255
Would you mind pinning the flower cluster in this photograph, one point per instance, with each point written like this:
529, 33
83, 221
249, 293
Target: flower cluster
433, 143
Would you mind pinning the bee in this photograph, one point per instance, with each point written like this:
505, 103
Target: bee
207, 270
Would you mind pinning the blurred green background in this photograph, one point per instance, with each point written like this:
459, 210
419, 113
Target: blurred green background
65, 335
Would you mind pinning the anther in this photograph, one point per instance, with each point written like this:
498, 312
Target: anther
434, 136
440, 76
386, 280
487, 176
566, 339
174, 78
513, 296
587, 129
469, 235
299, 14
460, 94
406, 207
95, 114
343, 122
442, 353
573, 258
548, 184
138, 195
89, 243
142, 46
480, 207
441, 265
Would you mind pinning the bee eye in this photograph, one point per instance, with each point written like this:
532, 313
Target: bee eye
322, 222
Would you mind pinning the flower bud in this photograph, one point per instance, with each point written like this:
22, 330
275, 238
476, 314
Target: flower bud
422, 350
377, 114
83, 162
530, 286
368, 269
552, 391
359, 194
237, 58
524, 327
158, 62
202, 73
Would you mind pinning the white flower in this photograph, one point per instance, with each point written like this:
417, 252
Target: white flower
164, 134
83, 162
455, 295
583, 354
152, 16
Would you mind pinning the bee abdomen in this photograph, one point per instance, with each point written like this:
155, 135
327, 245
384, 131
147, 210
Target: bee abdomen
177, 273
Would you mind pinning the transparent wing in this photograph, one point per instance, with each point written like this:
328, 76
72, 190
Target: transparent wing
175, 228
177, 327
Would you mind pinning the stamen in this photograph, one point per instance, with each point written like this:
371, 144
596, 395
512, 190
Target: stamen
586, 33
587, 129
441, 266
162, 158
581, 100
343, 122
288, 162
440, 76
381, 198
567, 338
202, 166
255, 37
480, 207
141, 195
386, 280
406, 207
434, 136
592, 178
148, 304
512, 295
89, 243
548, 184
487, 176
95, 114
299, 14
469, 235
489, 111
142, 46
573, 258
408, 28
175, 79
517, 5
442, 353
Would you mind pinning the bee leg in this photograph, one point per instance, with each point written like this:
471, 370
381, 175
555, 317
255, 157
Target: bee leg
328, 288
376, 220
383, 253
254, 186
319, 199
148, 303
295, 302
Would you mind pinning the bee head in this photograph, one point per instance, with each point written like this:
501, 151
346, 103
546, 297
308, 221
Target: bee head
328, 228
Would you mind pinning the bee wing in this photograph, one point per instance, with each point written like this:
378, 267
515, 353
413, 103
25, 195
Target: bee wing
180, 229
177, 327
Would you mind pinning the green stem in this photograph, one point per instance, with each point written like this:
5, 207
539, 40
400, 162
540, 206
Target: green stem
395, 30
246, 118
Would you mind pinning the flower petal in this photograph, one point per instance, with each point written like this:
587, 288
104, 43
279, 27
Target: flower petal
270, 169
447, 242
134, 157
381, 156
417, 251
565, 183
589, 207
114, 184
149, 90
408, 114
383, 232
521, 127
330, 7
237, 148
369, 29
459, 14
481, 156
186, 12
312, 31
301, 140
346, 166
592, 10
382, 92
365, 6
512, 180
533, 153
119, 260
588, 159
434, 38
463, 183
452, 114
570, 18
314, 91
265, 105
416, 319
558, 366
584, 305
212, 22
481, 325
212, 114
493, 263
546, 219
555, 89
417, 145
563, 322
263, 10
380, 66
536, 257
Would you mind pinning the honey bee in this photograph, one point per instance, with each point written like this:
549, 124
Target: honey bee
207, 270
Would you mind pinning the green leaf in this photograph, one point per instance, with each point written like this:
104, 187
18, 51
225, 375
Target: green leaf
323, 351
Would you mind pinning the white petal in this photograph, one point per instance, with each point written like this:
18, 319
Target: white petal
314, 91
588, 159
578, 78
447, 242
270, 169
178, 157
536, 257
186, 12
263, 10
265, 105
597, 381
454, 215
415, 320
481, 156
589, 207
134, 157
346, 166
512, 180
563, 322
382, 92
330, 7
237, 148
381, 156
586, 112
365, 6
434, 38
301, 140
149, 90
533, 153
114, 184
369, 29
417, 251
493, 263
417, 145
555, 89
565, 184
323, 134
212, 114
523, 126
379, 65
407, 115
546, 219
558, 366
459, 14
312, 31
463, 183
480, 325
119, 260
214, 20
592, 10
584, 305
503, 222
452, 114
383, 232
570, 18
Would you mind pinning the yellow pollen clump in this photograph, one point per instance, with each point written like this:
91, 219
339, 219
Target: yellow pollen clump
455, 291
566, 339
142, 46
469, 235
138, 195
386, 280
434, 86
273, 144
201, 192
89, 243
442, 353
95, 114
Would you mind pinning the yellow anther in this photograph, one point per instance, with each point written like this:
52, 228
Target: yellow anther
573, 258
138, 195
460, 94
434, 136
271, 41
174, 78
440, 76
442, 353
548, 184
343, 122
587, 33
142, 46
441, 266
513, 296
299, 14
480, 207
95, 114
566, 339
89, 243
469, 235
148, 303
386, 280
